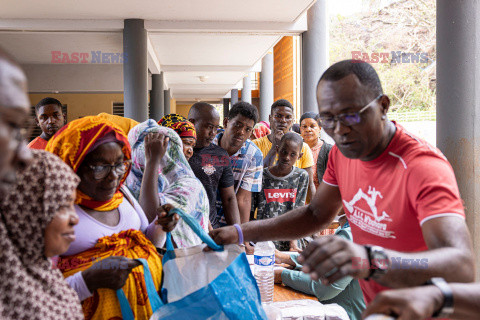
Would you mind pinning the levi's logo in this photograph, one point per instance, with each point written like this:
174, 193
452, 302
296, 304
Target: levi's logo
280, 195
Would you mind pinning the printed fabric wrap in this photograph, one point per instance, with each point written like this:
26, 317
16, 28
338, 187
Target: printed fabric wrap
75, 140
260, 130
170, 119
126, 124
183, 127
177, 184
104, 305
29, 287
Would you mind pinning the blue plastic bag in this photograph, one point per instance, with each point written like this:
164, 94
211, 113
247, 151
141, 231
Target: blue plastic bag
153, 297
232, 294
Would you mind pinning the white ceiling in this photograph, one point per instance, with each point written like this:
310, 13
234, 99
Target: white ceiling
211, 49
173, 10
220, 39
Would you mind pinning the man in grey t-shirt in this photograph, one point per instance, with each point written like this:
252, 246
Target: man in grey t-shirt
284, 186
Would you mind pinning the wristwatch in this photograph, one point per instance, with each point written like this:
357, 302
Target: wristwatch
379, 261
446, 310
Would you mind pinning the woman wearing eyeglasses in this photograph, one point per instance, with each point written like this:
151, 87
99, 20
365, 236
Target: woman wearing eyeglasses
113, 230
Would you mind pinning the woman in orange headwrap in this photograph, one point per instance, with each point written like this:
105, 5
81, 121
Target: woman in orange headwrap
112, 226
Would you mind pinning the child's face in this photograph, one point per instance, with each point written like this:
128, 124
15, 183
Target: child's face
288, 152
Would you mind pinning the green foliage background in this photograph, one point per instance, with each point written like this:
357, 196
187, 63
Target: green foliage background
404, 25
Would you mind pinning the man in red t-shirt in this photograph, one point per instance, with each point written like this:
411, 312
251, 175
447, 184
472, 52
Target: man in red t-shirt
50, 118
399, 194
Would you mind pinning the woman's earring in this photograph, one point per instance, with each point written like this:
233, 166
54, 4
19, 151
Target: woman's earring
383, 117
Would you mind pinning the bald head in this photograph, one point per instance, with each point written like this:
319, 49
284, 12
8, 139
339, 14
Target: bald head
206, 120
202, 109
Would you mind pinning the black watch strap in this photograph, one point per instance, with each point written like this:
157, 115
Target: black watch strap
369, 255
447, 307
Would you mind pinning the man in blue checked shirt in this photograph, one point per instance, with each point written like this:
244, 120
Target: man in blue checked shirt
245, 157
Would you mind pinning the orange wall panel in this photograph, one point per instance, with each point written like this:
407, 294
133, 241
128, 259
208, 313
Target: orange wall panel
182, 109
283, 68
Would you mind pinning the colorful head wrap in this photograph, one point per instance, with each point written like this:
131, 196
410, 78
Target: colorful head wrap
265, 123
78, 138
123, 122
170, 119
177, 184
180, 124
184, 129
260, 130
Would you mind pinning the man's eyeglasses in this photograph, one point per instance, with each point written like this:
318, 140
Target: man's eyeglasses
347, 119
102, 171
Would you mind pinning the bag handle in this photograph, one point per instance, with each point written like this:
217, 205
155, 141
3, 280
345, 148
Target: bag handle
153, 297
192, 223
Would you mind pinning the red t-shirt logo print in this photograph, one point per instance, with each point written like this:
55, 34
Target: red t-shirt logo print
280, 195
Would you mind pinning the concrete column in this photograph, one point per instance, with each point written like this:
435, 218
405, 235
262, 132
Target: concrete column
157, 106
135, 70
226, 107
247, 89
314, 54
234, 96
458, 101
266, 87
167, 98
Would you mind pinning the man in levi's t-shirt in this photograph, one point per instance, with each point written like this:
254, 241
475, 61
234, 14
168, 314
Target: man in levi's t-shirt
284, 186
398, 192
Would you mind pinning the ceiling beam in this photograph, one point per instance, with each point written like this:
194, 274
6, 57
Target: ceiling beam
158, 26
201, 86
197, 96
229, 27
153, 63
205, 68
55, 25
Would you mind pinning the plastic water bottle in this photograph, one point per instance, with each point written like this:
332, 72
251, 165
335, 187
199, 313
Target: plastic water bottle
264, 259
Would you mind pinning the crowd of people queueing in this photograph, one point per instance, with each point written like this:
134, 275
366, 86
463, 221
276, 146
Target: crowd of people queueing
97, 195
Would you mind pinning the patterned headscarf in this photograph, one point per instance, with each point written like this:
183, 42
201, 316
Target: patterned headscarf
78, 138
170, 119
185, 129
177, 183
260, 130
126, 124
29, 287
265, 123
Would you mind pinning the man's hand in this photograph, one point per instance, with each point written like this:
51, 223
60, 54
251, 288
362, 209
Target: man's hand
331, 258
277, 136
294, 246
155, 146
248, 248
406, 304
110, 273
284, 258
225, 235
277, 275
168, 222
